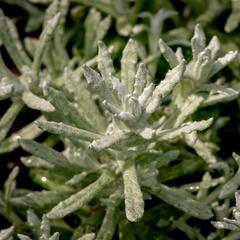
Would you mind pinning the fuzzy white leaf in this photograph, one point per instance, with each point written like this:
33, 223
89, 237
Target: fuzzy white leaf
140, 80
147, 93
108, 141
200, 147
95, 81
185, 128
134, 203
214, 47
128, 64
222, 62
105, 64
37, 103
218, 93
165, 87
189, 107
67, 130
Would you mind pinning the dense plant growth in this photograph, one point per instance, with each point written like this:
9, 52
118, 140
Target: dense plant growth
128, 107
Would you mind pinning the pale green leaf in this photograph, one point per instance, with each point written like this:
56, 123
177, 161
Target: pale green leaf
30, 131
182, 200
39, 200
67, 109
81, 198
168, 54
10, 38
45, 152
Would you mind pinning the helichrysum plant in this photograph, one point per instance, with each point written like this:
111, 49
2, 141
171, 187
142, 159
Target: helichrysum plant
128, 137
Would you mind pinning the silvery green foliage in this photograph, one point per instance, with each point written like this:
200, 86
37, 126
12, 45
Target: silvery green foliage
129, 103
27, 88
115, 150
231, 224
194, 91
95, 30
